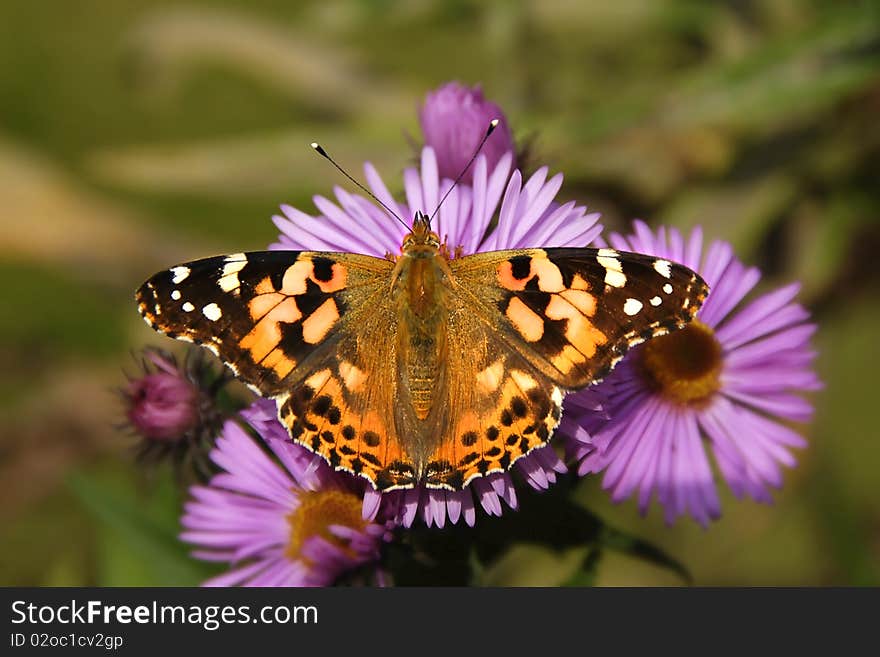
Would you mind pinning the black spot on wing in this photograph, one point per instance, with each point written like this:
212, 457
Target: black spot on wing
323, 268
322, 405
311, 299
520, 266
469, 438
258, 268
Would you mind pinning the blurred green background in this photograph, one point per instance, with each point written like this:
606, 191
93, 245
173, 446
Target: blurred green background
135, 134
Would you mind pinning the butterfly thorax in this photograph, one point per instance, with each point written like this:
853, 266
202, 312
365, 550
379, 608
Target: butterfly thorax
421, 283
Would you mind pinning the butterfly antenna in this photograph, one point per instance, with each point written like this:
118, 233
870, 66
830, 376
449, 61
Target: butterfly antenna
345, 173
492, 125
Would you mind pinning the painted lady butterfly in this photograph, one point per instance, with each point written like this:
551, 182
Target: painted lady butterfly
421, 368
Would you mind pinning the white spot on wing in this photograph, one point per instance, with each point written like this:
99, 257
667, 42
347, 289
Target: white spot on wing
175, 294
632, 307
614, 275
212, 312
663, 267
656, 301
228, 280
615, 278
667, 288
188, 307
179, 274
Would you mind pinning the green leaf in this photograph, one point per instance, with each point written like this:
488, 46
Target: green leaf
587, 573
137, 535
614, 539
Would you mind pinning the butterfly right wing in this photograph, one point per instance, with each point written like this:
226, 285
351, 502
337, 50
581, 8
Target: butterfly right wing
532, 324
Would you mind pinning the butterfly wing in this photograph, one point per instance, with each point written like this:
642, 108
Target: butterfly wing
496, 407
575, 312
533, 324
312, 330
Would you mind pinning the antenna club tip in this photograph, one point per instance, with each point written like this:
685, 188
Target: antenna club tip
315, 145
494, 123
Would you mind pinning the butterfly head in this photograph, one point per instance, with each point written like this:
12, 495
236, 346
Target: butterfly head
421, 241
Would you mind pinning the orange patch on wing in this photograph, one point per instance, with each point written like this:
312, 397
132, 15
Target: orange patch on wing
525, 320
279, 362
378, 443
317, 380
566, 360
549, 276
265, 286
352, 377
262, 339
523, 381
584, 336
468, 422
319, 323
489, 379
338, 279
266, 334
578, 282
260, 305
579, 331
583, 301
294, 281
508, 280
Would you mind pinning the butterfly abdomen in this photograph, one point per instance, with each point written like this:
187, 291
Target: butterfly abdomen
423, 310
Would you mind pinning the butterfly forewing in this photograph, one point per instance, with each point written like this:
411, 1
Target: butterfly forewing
263, 313
574, 312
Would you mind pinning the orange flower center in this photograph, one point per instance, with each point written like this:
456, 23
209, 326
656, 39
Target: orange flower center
683, 366
316, 513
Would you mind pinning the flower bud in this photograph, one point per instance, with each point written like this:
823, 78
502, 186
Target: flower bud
454, 118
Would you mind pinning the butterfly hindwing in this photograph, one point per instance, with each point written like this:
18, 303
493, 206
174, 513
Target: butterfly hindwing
500, 409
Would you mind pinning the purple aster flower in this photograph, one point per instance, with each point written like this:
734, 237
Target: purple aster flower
454, 119
296, 523
171, 406
528, 216
729, 382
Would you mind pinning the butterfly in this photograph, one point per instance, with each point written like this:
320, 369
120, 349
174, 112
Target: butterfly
425, 368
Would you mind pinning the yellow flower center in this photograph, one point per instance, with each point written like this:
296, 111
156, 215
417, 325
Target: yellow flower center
316, 513
683, 366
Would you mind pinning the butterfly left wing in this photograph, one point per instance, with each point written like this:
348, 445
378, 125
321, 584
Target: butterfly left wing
314, 331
